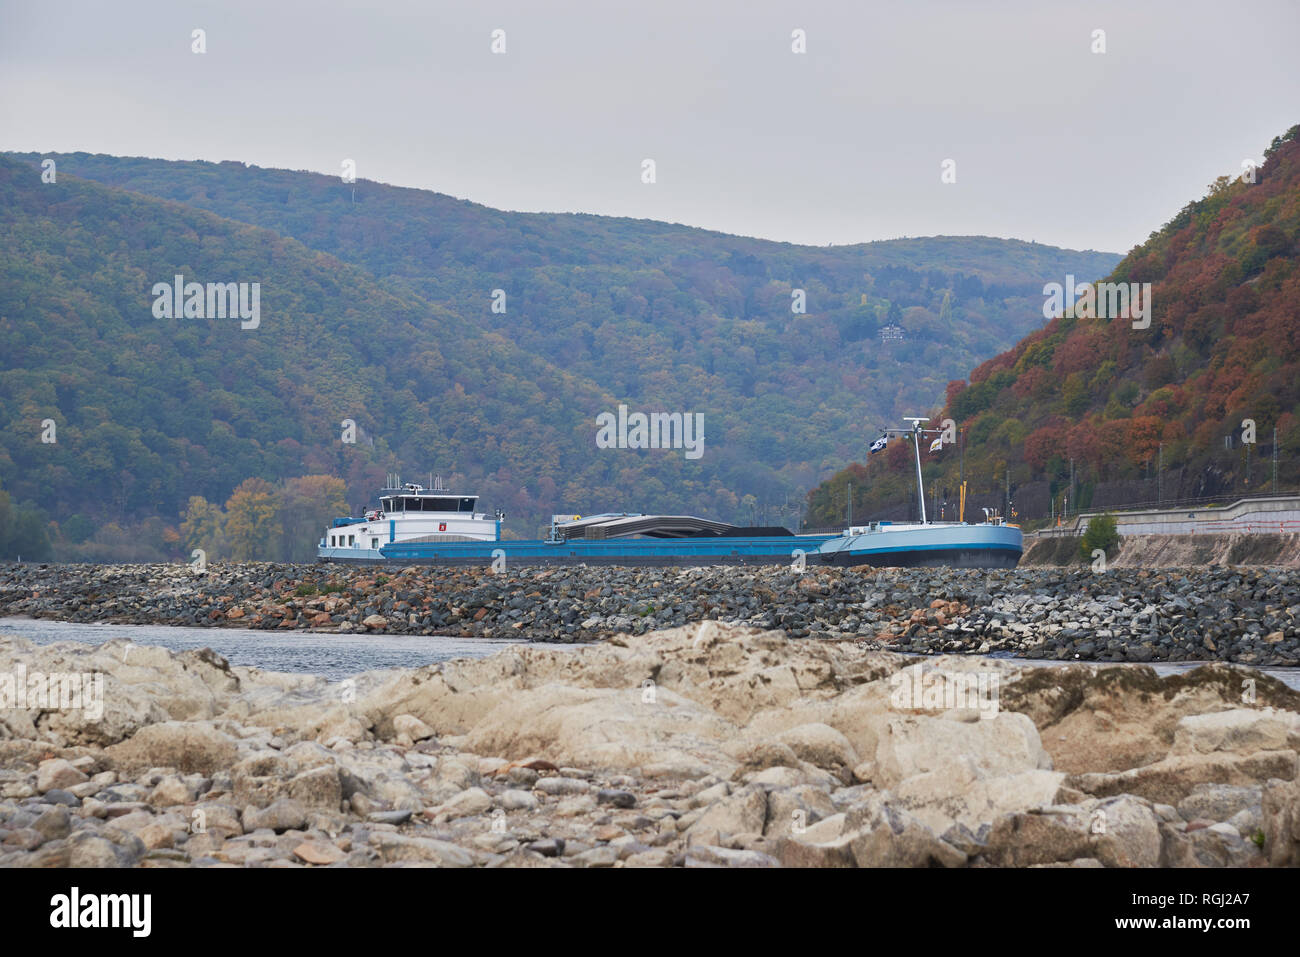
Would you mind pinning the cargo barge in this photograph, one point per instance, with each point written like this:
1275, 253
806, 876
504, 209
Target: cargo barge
416, 525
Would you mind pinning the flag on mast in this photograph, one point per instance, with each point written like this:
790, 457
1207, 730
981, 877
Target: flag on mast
878, 445
937, 444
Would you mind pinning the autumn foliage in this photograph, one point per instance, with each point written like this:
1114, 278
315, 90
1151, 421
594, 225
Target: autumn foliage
1221, 352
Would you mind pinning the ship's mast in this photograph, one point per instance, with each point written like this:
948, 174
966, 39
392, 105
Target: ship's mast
916, 431
916, 449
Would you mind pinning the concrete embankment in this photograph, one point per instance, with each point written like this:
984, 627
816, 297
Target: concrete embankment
1173, 551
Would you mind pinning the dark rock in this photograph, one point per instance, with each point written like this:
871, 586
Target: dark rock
622, 799
549, 847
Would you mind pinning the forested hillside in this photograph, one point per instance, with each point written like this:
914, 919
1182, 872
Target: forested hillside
377, 305
150, 412
1184, 408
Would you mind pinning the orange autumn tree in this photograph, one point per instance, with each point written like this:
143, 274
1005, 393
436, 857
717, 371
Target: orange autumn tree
1042, 444
253, 529
1142, 436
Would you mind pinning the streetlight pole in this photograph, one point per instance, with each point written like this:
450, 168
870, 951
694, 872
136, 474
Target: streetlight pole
1160, 475
1275, 460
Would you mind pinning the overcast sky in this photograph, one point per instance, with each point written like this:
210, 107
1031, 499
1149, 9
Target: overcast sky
842, 144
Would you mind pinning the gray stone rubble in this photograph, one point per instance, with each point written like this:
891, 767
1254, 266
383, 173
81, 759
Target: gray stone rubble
1243, 615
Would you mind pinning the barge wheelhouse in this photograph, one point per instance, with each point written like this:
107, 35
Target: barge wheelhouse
409, 513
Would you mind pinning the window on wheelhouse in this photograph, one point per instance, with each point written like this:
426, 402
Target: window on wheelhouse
434, 504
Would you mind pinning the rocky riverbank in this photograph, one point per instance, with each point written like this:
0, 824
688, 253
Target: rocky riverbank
1242, 615
703, 746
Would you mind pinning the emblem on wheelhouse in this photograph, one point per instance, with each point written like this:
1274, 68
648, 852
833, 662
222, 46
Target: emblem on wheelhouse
409, 513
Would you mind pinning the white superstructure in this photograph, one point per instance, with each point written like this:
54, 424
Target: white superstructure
409, 513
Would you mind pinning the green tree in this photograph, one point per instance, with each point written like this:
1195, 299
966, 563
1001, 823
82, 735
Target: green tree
1074, 394
22, 533
1102, 533
77, 529
203, 527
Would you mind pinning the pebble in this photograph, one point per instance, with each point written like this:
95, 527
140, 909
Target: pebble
281, 815
389, 817
551, 847
516, 800
558, 786
621, 799
57, 774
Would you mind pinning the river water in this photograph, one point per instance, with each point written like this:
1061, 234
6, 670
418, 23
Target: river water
334, 656
337, 656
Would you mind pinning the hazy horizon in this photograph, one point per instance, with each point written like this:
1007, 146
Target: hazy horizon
840, 145
542, 212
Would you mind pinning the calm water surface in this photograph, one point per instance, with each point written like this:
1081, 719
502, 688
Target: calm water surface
334, 656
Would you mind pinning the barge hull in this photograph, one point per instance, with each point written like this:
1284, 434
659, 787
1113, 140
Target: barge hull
928, 558
928, 546
666, 552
